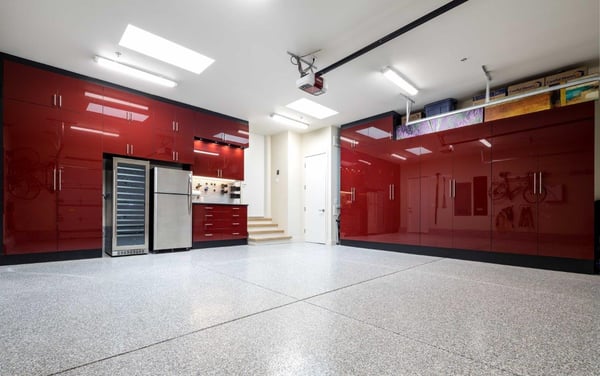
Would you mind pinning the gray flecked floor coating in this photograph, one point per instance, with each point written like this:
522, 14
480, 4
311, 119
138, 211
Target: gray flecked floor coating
295, 309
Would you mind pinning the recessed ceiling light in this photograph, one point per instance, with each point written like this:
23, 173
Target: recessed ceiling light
134, 72
419, 150
289, 121
391, 75
310, 108
163, 49
398, 156
374, 132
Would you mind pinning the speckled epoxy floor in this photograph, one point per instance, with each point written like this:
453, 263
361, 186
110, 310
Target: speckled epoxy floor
295, 309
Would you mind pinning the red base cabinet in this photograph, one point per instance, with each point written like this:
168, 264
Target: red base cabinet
212, 222
517, 191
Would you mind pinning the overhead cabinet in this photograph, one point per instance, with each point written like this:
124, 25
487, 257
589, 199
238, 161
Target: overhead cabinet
215, 160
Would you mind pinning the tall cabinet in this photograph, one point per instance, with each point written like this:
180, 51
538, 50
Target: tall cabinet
52, 163
504, 189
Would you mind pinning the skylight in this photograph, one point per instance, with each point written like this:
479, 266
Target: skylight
310, 108
419, 150
163, 49
374, 132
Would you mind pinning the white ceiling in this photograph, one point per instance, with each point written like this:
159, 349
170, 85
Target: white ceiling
253, 77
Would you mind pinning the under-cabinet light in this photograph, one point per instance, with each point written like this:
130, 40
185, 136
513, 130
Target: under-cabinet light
365, 162
164, 50
289, 121
485, 142
206, 152
134, 72
115, 100
231, 138
398, 156
243, 132
391, 75
110, 134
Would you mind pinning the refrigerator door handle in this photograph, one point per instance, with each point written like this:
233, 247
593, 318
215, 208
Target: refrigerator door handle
190, 195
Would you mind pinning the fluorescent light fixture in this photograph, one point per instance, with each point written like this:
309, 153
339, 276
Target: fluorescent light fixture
419, 150
289, 121
310, 108
485, 142
134, 72
354, 142
243, 132
391, 75
365, 162
398, 156
115, 100
115, 112
206, 152
163, 49
374, 133
229, 137
110, 134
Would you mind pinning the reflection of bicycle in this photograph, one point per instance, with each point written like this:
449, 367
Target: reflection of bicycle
510, 187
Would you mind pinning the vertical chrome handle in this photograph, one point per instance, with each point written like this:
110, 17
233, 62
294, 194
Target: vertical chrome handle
393, 191
54, 179
53, 100
60, 179
132, 149
453, 183
535, 183
127, 149
60, 101
177, 126
177, 155
173, 155
450, 188
390, 192
540, 190
173, 125
190, 195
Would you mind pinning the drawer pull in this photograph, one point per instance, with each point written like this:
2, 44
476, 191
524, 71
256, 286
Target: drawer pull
208, 235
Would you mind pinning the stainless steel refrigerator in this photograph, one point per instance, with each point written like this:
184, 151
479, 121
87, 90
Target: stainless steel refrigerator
172, 214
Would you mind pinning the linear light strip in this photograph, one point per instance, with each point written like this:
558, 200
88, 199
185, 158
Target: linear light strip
206, 152
134, 72
393, 76
289, 121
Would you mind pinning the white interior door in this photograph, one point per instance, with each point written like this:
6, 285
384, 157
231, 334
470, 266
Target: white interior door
315, 193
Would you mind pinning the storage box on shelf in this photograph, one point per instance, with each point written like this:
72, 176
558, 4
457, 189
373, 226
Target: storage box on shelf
579, 93
526, 86
494, 94
440, 107
413, 116
565, 76
535, 103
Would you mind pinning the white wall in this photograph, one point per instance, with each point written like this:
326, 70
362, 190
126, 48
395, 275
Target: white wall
287, 178
255, 167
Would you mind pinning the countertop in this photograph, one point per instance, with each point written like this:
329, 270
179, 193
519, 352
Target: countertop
217, 203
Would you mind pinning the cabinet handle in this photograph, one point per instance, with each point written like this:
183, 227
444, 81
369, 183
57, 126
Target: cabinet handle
208, 208
235, 224
173, 125
208, 224
394, 192
235, 208
177, 126
208, 234
236, 233
53, 100
540, 191
208, 215
132, 149
177, 155
172, 155
235, 215
535, 183
54, 179
60, 179
60, 101
453, 188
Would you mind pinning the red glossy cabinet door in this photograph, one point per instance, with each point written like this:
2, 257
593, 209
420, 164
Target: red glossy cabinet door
163, 132
29, 84
80, 182
127, 120
184, 135
218, 161
221, 129
31, 143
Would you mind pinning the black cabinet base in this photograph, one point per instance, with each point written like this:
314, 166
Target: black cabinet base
219, 243
530, 261
47, 257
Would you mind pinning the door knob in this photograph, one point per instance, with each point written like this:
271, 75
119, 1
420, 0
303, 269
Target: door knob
322, 210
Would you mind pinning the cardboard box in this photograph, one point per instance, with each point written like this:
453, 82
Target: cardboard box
517, 107
526, 86
579, 93
565, 76
494, 94
413, 116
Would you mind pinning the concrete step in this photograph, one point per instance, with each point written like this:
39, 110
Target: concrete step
266, 238
265, 230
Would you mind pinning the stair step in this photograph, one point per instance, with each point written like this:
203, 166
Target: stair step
259, 219
259, 225
265, 231
268, 238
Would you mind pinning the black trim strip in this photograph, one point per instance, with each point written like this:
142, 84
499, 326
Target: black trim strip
219, 243
116, 86
52, 256
394, 114
404, 29
530, 261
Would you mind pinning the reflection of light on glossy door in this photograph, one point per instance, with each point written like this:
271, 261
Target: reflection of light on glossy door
414, 204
